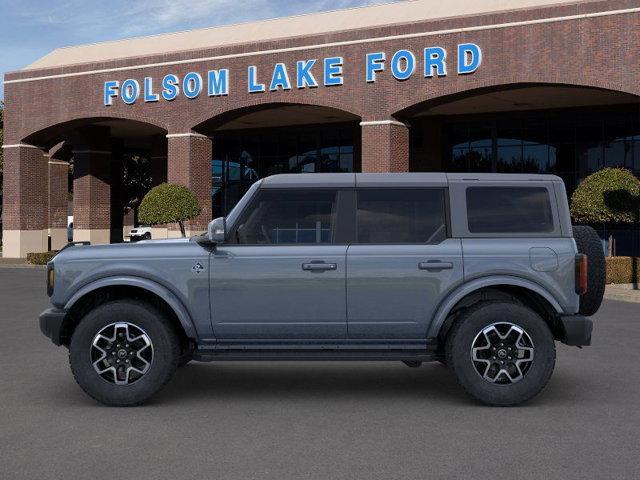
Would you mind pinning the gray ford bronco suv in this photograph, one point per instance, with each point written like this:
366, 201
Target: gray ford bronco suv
481, 272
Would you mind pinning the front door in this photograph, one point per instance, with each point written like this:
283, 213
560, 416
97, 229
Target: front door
283, 275
401, 264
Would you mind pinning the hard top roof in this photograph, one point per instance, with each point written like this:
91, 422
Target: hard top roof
410, 179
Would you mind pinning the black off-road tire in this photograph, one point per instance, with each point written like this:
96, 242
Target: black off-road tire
166, 352
589, 243
459, 343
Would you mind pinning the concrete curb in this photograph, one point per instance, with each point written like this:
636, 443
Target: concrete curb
624, 292
20, 265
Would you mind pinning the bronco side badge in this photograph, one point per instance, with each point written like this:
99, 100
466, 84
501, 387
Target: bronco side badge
197, 268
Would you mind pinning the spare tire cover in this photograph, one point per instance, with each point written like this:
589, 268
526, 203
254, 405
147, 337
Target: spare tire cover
589, 243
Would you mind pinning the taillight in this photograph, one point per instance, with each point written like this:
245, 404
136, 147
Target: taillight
51, 278
581, 274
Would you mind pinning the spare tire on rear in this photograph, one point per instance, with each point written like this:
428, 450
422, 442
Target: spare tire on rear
588, 243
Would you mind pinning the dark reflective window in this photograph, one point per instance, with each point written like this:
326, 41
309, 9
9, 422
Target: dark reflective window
289, 217
509, 210
570, 143
245, 156
401, 216
472, 151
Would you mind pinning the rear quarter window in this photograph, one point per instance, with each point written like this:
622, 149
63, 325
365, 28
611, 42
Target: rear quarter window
509, 210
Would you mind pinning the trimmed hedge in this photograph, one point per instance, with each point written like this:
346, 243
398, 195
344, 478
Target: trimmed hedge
611, 195
41, 258
621, 269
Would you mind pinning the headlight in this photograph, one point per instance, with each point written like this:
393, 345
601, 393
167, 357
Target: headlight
51, 278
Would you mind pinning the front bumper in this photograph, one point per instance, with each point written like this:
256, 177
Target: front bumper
51, 324
577, 330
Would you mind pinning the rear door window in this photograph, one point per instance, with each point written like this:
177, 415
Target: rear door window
509, 210
401, 215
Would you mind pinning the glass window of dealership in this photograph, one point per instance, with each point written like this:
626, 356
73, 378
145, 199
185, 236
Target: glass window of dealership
569, 142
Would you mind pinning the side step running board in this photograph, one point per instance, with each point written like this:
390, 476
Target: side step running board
324, 355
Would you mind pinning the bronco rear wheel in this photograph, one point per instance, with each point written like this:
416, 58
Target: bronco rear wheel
501, 353
123, 352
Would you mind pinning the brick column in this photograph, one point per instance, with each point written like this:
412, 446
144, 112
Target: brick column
117, 208
92, 185
158, 160
25, 202
189, 164
59, 157
385, 146
58, 191
92, 196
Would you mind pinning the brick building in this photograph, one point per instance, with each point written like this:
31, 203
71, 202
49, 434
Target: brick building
489, 85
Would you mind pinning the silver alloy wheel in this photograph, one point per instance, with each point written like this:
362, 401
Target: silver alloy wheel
502, 353
121, 353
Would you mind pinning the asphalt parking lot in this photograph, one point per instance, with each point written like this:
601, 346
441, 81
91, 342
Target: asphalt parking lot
315, 420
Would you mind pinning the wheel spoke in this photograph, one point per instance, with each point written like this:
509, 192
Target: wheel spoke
116, 347
502, 353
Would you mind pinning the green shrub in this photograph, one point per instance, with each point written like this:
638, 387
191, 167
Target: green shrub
611, 195
41, 258
169, 203
623, 269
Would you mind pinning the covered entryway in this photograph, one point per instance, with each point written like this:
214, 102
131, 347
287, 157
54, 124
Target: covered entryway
255, 142
111, 163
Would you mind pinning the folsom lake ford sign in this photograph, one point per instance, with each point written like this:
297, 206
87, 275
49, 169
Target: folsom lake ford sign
309, 73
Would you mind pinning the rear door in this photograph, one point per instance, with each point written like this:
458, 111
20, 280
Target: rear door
401, 263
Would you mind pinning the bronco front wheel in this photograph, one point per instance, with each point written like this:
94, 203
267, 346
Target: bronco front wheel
501, 353
123, 352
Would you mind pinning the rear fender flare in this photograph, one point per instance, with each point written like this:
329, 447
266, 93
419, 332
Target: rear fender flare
454, 297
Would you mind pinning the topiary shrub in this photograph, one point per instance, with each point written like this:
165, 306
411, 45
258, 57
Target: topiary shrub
611, 195
169, 203
41, 258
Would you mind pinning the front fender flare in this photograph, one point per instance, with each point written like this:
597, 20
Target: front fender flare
174, 303
454, 297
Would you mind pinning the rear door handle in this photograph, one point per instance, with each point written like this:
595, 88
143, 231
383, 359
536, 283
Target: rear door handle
435, 265
319, 266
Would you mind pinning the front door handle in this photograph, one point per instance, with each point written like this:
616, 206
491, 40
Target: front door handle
319, 266
435, 266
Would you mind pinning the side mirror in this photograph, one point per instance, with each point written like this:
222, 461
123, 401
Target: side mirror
216, 230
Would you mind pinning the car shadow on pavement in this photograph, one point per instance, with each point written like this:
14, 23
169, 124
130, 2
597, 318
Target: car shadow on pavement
310, 380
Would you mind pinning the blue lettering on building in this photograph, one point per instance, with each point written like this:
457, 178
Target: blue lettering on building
403, 64
149, 96
280, 78
431, 62
170, 87
304, 74
218, 83
192, 85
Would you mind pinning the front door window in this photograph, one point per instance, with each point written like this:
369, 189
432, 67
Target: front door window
281, 217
